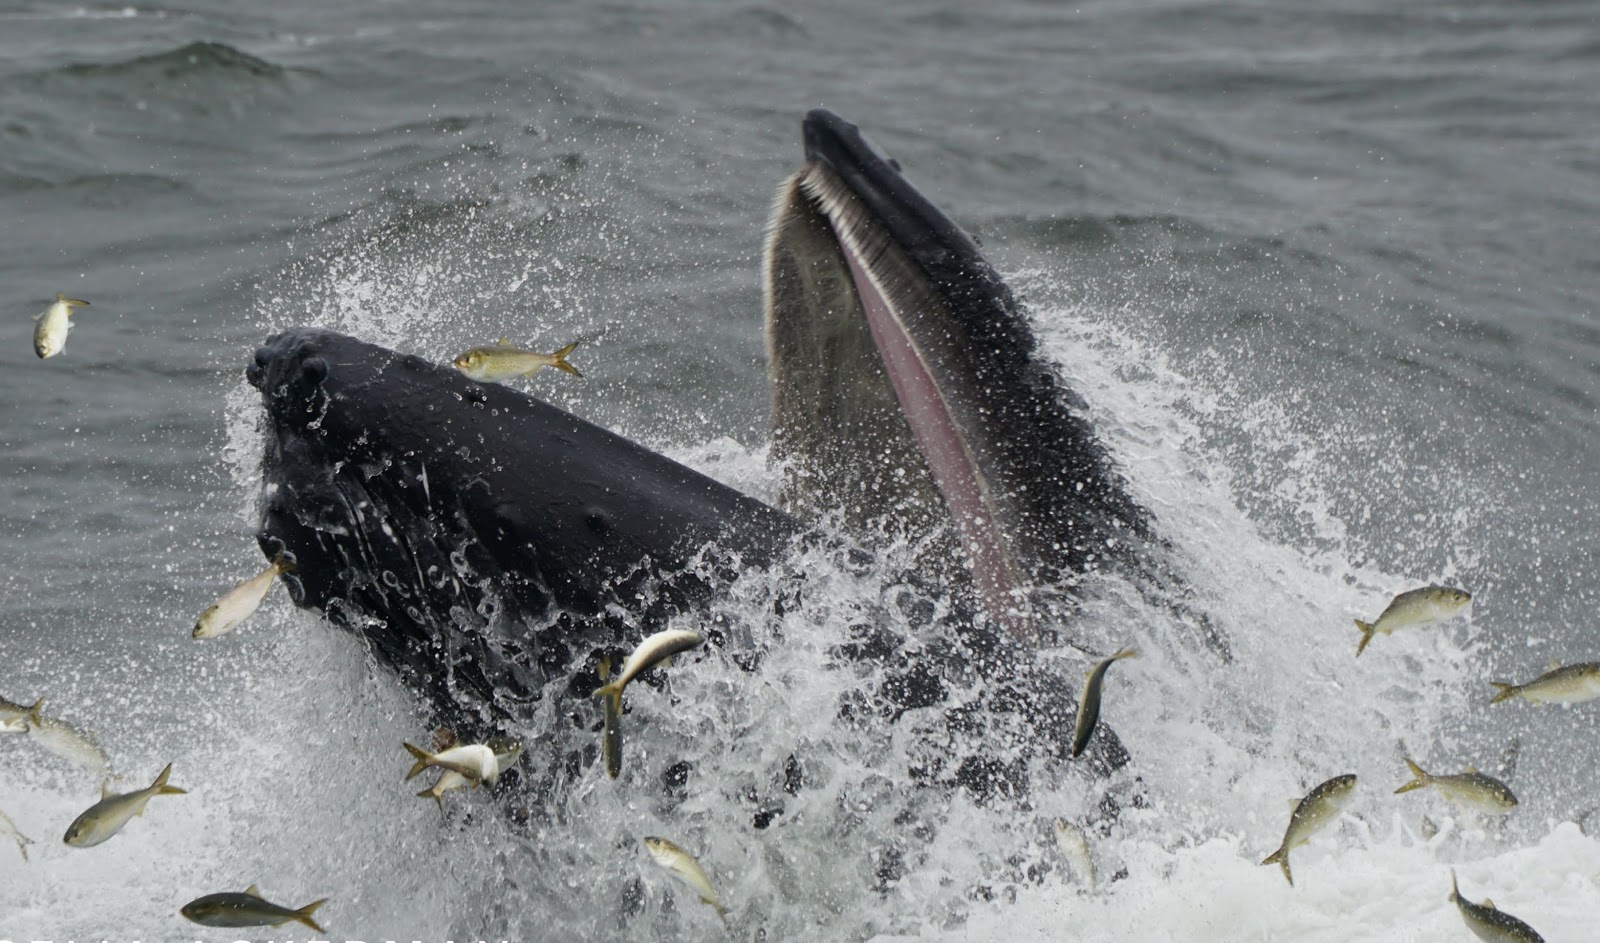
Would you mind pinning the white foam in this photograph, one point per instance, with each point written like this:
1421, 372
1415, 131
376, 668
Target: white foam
1349, 888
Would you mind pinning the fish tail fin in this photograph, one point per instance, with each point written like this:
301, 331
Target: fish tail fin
612, 688
1367, 632
72, 302
1506, 691
431, 793
561, 360
303, 915
1420, 780
1281, 859
283, 564
1455, 888
35, 714
1127, 652
162, 789
423, 756
23, 842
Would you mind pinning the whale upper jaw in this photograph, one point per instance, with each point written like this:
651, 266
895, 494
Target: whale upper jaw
908, 394
440, 518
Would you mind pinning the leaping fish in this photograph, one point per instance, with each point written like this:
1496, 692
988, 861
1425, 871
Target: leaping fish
651, 652
1472, 790
506, 752
1089, 701
1570, 684
1320, 806
611, 729
1414, 609
1074, 847
490, 364
686, 869
240, 602
476, 761
52, 325
66, 741
249, 909
106, 817
1488, 922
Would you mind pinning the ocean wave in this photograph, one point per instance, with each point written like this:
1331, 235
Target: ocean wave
194, 60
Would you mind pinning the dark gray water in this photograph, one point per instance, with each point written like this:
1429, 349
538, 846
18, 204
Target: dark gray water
1336, 263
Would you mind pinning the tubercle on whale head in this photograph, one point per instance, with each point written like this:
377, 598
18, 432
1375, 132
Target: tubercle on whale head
468, 529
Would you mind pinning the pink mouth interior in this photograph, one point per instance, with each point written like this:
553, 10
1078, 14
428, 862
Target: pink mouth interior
949, 458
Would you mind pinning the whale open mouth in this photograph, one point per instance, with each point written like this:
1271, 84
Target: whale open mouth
898, 303
897, 365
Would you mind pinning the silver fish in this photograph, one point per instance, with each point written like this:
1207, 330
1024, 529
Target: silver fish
9, 829
240, 602
1089, 701
1074, 847
1415, 609
1489, 923
1571, 684
502, 361
1320, 806
506, 753
476, 761
67, 741
51, 326
106, 817
611, 730
1472, 790
686, 869
651, 652
250, 909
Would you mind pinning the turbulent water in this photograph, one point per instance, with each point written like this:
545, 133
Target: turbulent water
1325, 273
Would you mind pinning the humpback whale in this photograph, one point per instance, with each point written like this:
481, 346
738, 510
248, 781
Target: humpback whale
489, 547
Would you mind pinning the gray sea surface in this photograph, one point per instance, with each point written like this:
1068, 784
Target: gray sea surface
1363, 233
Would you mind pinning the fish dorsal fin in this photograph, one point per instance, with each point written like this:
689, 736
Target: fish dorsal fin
1489, 904
105, 788
254, 891
1472, 771
1555, 664
1294, 804
502, 342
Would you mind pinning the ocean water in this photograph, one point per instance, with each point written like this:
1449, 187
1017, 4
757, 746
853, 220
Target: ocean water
1326, 276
